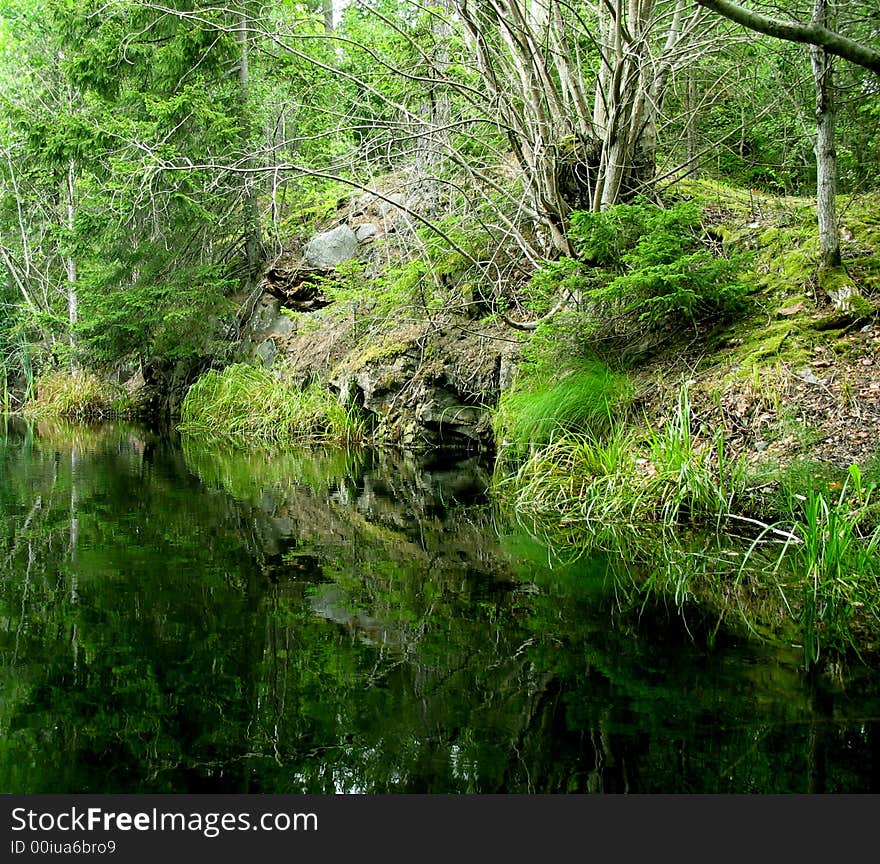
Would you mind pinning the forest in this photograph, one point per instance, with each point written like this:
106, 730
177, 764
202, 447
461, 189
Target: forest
628, 250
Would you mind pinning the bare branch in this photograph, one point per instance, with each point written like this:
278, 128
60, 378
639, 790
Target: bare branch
806, 34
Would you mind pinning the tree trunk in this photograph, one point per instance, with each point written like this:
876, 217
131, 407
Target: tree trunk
327, 11
583, 139
691, 104
70, 263
826, 156
431, 142
253, 243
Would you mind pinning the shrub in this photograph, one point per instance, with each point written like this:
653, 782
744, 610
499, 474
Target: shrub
654, 265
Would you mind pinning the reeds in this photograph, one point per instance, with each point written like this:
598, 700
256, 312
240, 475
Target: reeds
632, 491
16, 372
829, 570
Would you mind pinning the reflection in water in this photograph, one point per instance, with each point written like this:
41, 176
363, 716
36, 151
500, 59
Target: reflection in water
179, 619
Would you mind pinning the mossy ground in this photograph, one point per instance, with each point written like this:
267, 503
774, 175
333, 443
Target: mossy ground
795, 381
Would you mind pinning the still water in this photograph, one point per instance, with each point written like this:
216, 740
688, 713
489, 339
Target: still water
182, 618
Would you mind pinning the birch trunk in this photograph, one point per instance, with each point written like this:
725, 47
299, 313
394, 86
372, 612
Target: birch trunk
253, 243
70, 263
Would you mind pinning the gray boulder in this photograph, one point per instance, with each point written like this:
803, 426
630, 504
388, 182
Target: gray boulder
324, 251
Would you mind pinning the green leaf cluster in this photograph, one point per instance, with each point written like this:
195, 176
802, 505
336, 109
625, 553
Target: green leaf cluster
654, 264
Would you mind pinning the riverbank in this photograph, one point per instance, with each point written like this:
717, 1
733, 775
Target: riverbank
700, 375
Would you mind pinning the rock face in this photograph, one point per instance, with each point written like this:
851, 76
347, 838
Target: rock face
267, 329
432, 388
324, 251
423, 383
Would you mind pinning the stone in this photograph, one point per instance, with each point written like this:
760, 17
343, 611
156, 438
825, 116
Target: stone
806, 374
791, 310
265, 313
391, 204
281, 325
365, 232
135, 384
266, 352
324, 251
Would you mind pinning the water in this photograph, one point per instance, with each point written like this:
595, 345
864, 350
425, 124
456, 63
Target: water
187, 619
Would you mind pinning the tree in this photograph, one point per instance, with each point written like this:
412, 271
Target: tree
826, 157
825, 43
816, 33
136, 247
47, 139
579, 92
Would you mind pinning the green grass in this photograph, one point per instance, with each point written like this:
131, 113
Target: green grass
79, 396
623, 478
830, 569
581, 399
245, 404
692, 478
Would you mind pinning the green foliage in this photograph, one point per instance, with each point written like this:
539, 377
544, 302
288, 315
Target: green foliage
653, 264
551, 279
581, 399
77, 396
428, 43
153, 313
248, 404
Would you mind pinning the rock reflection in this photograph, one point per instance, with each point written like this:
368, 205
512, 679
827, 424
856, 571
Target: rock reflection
341, 622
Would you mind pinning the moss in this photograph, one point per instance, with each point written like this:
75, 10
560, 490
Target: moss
757, 344
364, 355
772, 238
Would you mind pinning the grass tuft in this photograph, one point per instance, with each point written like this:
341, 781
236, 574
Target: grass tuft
580, 400
78, 396
247, 404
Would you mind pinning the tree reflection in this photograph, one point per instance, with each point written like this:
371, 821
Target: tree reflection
200, 621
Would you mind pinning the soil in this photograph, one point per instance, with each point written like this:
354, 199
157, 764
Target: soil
822, 407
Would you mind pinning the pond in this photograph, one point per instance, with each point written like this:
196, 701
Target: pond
190, 619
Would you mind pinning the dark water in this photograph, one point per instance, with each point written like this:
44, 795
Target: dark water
187, 619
